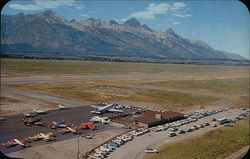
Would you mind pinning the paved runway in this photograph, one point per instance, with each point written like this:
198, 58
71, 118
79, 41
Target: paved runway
163, 76
13, 127
89, 77
43, 97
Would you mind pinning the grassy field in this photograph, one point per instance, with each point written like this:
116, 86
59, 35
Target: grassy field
185, 88
57, 67
216, 144
115, 90
227, 86
170, 98
8, 99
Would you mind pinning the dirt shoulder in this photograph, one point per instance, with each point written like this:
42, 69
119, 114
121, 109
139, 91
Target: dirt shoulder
13, 103
239, 154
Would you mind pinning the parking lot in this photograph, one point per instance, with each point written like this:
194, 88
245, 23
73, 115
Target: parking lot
136, 147
136, 140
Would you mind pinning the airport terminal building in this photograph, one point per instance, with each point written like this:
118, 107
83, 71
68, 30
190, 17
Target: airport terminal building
154, 118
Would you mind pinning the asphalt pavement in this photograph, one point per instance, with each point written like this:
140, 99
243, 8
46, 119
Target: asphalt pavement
43, 97
135, 148
13, 126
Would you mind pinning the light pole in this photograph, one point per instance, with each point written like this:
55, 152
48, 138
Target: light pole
78, 144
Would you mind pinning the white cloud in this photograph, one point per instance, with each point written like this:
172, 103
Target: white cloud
53, 3
181, 15
28, 7
162, 8
80, 6
123, 19
150, 12
84, 15
176, 23
45, 4
178, 5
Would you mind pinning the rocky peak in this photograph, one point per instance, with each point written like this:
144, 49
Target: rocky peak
170, 31
73, 20
113, 22
49, 12
147, 27
91, 19
20, 14
50, 16
133, 22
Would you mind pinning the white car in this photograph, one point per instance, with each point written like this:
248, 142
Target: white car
150, 150
171, 134
213, 125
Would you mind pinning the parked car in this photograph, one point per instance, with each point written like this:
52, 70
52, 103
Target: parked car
181, 132
188, 130
213, 119
228, 125
213, 125
206, 124
173, 129
171, 134
195, 127
202, 126
150, 150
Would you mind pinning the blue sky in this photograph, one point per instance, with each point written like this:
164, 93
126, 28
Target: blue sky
224, 25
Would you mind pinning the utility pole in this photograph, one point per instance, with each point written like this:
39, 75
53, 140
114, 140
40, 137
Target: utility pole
78, 144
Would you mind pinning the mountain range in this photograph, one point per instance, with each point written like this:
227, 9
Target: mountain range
50, 33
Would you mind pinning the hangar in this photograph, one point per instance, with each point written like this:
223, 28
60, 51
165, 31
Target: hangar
154, 118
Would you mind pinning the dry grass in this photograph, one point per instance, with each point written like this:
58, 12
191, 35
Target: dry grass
114, 90
5, 99
238, 86
170, 98
58, 67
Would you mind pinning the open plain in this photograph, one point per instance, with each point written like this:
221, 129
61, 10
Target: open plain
43, 84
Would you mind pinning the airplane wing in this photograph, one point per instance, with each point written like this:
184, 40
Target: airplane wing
34, 137
9, 143
96, 107
94, 120
64, 130
115, 110
61, 122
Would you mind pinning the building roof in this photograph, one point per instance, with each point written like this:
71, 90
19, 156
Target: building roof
149, 116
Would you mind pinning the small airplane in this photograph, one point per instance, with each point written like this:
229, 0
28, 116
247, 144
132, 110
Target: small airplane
2, 118
89, 125
59, 124
126, 127
41, 136
107, 108
62, 107
33, 114
103, 120
15, 142
38, 111
68, 129
30, 122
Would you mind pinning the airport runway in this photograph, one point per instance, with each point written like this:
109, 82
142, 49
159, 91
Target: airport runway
89, 77
13, 127
32, 79
43, 97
